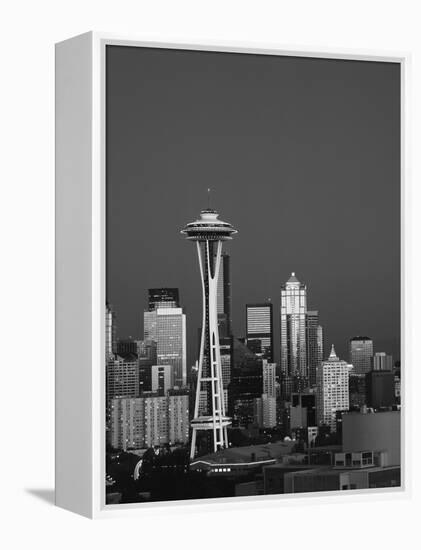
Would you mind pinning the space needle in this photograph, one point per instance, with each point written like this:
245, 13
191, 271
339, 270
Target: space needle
209, 233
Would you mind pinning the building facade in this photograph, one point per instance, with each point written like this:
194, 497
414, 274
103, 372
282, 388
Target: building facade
332, 390
149, 421
163, 297
361, 354
293, 328
259, 326
167, 327
382, 361
314, 345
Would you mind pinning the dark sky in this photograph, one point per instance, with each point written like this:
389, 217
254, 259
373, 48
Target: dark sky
303, 158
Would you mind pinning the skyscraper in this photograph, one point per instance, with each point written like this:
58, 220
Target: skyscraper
269, 378
165, 323
314, 344
293, 328
382, 361
223, 301
171, 342
122, 379
163, 297
332, 389
259, 326
209, 234
361, 354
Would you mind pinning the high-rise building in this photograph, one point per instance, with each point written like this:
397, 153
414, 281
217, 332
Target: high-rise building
265, 411
361, 354
147, 357
380, 388
382, 361
171, 342
127, 347
259, 326
167, 327
223, 297
269, 378
314, 344
226, 350
122, 379
163, 297
357, 391
209, 234
110, 333
293, 328
162, 378
178, 416
149, 421
332, 389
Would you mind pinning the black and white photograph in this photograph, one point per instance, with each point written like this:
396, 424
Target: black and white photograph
253, 275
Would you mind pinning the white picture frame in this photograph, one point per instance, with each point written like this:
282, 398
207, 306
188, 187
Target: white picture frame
80, 272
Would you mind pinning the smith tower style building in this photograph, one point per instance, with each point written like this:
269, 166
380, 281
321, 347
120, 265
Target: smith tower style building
209, 234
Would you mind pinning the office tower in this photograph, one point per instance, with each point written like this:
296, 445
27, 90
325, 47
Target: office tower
146, 349
302, 410
246, 385
147, 357
149, 421
223, 297
265, 411
226, 351
314, 344
122, 379
259, 326
361, 353
127, 348
163, 297
382, 361
269, 378
171, 342
167, 327
209, 233
357, 391
162, 378
380, 388
110, 333
293, 328
332, 389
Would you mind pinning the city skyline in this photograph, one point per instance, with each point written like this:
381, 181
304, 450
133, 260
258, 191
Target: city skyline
227, 389
299, 155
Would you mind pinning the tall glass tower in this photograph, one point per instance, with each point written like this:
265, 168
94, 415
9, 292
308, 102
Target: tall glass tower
293, 328
209, 234
259, 326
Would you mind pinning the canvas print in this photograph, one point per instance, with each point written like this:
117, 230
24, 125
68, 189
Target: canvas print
252, 275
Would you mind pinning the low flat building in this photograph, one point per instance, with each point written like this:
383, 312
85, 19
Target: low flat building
239, 461
330, 479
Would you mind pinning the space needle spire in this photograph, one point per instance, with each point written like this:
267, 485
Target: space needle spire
209, 233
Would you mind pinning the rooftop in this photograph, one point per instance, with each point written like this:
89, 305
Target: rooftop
249, 455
